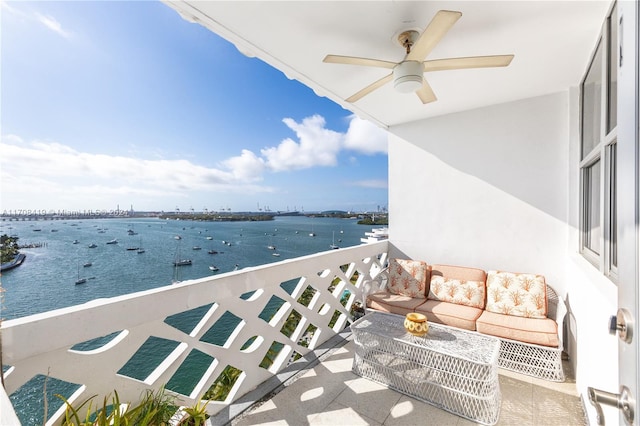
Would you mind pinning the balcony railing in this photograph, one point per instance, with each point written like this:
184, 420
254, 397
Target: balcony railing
184, 336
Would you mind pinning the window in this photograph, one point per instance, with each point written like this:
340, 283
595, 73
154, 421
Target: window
612, 220
592, 104
598, 204
612, 80
593, 233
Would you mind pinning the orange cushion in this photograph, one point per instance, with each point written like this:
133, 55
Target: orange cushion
458, 284
523, 295
538, 331
408, 277
450, 314
394, 303
458, 272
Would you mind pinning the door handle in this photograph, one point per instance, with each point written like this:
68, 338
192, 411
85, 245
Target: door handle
622, 324
622, 401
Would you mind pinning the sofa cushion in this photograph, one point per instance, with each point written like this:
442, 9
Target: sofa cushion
452, 314
458, 284
538, 331
394, 303
408, 277
523, 295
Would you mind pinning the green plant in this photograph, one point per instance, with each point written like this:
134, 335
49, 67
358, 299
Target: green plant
196, 414
223, 384
154, 409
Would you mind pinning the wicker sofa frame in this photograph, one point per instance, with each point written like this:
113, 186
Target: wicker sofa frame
538, 361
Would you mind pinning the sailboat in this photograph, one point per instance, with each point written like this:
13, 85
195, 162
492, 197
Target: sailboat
177, 262
140, 249
333, 245
80, 280
312, 234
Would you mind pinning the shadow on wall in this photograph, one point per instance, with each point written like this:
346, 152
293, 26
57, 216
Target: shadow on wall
521, 148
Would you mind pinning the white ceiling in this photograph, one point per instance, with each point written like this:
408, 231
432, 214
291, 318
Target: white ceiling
552, 42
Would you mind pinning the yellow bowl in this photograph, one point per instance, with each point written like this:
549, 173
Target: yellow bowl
416, 324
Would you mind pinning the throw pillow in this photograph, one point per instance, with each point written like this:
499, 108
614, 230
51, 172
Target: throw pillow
408, 277
523, 295
460, 292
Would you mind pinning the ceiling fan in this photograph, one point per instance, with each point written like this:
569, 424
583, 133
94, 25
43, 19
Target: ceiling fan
407, 75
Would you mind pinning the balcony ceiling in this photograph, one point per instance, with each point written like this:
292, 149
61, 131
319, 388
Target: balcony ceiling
552, 42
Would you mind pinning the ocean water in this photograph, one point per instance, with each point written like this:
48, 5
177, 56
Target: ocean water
46, 280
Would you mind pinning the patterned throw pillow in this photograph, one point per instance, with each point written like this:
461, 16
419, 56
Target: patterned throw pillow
460, 292
523, 295
408, 277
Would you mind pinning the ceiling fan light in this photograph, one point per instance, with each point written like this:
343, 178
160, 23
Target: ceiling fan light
407, 76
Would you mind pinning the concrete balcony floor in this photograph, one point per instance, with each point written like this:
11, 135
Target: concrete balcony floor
330, 394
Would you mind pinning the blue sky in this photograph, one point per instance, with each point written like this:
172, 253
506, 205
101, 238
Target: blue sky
126, 103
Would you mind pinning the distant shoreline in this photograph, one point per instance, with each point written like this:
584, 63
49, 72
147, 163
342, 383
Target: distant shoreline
380, 218
231, 217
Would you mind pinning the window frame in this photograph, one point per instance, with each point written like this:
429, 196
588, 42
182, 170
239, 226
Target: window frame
604, 151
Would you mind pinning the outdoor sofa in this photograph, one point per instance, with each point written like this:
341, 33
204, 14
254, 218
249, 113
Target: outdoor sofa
520, 309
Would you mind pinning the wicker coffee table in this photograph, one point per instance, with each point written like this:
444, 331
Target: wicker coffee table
452, 369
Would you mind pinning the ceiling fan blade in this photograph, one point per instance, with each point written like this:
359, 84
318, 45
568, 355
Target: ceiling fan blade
352, 60
468, 62
431, 36
425, 93
370, 88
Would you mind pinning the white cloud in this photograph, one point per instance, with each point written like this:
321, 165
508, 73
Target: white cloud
373, 183
245, 167
4, 5
317, 146
63, 173
365, 137
57, 170
53, 24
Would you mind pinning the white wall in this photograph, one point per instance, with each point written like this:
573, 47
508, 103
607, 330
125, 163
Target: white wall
485, 188
497, 188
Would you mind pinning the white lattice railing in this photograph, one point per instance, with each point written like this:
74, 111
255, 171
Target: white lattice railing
42, 345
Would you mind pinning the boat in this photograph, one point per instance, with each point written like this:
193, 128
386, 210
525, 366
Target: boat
271, 247
86, 265
197, 248
14, 263
209, 238
93, 245
275, 254
132, 248
140, 250
212, 252
114, 241
214, 268
75, 242
80, 280
178, 261
178, 237
333, 245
